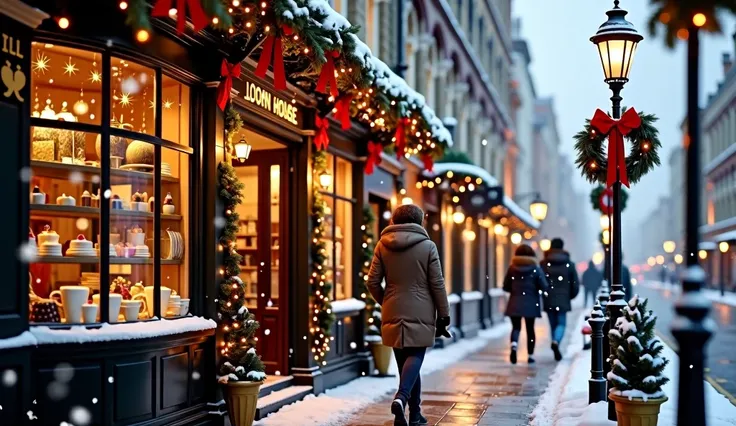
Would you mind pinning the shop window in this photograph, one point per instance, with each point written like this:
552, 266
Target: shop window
145, 183
339, 222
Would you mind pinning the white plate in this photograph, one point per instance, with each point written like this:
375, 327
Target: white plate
137, 167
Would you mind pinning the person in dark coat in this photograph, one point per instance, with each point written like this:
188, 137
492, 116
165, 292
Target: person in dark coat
414, 303
525, 282
592, 279
563, 287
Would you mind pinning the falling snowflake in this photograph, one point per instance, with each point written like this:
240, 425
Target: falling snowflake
31, 416
353, 345
130, 85
267, 332
107, 194
26, 174
76, 177
80, 416
220, 222
110, 379
10, 378
27, 252
94, 400
57, 391
196, 375
559, 278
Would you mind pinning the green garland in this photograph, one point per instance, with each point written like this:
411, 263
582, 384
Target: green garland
233, 125
676, 16
595, 198
373, 309
321, 307
238, 359
591, 158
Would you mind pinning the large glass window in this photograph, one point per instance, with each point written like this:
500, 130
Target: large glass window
339, 226
110, 200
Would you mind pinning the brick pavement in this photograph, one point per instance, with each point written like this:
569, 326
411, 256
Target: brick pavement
482, 389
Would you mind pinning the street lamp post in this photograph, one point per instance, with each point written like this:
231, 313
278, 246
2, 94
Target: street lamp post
723, 247
690, 326
616, 40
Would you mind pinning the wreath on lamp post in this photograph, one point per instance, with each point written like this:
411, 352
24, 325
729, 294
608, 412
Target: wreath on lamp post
643, 157
598, 199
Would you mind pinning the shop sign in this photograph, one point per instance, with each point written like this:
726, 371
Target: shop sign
481, 200
271, 103
14, 61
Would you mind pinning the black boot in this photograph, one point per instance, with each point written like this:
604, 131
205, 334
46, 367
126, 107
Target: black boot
397, 409
416, 418
556, 350
513, 353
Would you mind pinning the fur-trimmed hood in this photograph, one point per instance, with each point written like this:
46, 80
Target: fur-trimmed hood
523, 263
556, 256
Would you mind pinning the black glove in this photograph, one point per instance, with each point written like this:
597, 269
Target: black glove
441, 327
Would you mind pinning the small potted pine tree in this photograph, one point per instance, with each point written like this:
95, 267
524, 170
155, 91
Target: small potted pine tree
382, 354
241, 370
637, 368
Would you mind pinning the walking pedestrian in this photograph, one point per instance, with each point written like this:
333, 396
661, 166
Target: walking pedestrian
592, 279
563, 287
414, 303
525, 282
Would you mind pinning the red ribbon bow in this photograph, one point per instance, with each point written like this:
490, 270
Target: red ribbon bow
272, 48
428, 162
616, 130
228, 71
342, 110
374, 157
321, 140
327, 75
400, 136
199, 18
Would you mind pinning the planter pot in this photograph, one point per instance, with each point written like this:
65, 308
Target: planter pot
637, 412
382, 356
241, 398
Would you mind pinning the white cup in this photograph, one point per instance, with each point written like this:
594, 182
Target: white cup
113, 304
147, 295
184, 307
131, 309
72, 299
89, 313
174, 310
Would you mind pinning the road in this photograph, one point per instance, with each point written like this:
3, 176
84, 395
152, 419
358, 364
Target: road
721, 357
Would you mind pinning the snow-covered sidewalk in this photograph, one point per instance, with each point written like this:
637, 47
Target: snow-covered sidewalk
337, 405
565, 402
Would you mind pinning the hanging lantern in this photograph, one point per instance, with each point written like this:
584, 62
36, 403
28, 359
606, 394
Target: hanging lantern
325, 180
242, 150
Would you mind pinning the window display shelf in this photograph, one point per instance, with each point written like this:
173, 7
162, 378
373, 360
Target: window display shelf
96, 260
62, 170
77, 211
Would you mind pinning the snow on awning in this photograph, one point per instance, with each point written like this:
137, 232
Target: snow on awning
707, 245
519, 212
726, 236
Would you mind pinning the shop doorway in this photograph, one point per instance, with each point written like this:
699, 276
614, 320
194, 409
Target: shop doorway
262, 240
381, 209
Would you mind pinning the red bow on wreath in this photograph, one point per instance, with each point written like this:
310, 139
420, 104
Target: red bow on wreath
321, 140
374, 157
272, 48
342, 110
400, 136
428, 162
616, 130
228, 71
199, 18
327, 75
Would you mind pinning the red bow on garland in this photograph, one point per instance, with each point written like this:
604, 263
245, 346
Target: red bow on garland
342, 110
400, 136
272, 48
228, 71
199, 18
616, 130
428, 162
327, 75
374, 157
321, 140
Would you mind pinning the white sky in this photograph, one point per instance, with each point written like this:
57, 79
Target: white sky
565, 65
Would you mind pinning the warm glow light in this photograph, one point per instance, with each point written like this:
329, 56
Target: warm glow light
669, 246
651, 261
604, 222
242, 150
142, 36
545, 244
678, 258
616, 41
606, 237
723, 246
699, 19
598, 257
516, 238
63, 23
498, 229
660, 259
325, 180
538, 209
468, 235
703, 254
123, 5
406, 201
458, 217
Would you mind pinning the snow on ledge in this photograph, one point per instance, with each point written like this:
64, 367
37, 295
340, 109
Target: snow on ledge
496, 292
347, 305
126, 331
471, 295
453, 299
22, 340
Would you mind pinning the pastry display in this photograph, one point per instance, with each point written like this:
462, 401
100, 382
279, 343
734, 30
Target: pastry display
95, 200
66, 200
48, 242
169, 207
136, 236
112, 252
117, 203
38, 197
32, 243
118, 144
137, 203
86, 199
144, 196
152, 204
142, 251
81, 247
139, 153
91, 280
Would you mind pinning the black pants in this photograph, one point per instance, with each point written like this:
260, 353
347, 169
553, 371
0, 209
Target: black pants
409, 361
516, 331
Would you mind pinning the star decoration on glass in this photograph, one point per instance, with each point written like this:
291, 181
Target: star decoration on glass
41, 64
126, 99
168, 104
95, 77
70, 68
151, 104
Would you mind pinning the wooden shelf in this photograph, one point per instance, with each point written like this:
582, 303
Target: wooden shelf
95, 260
78, 211
61, 171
